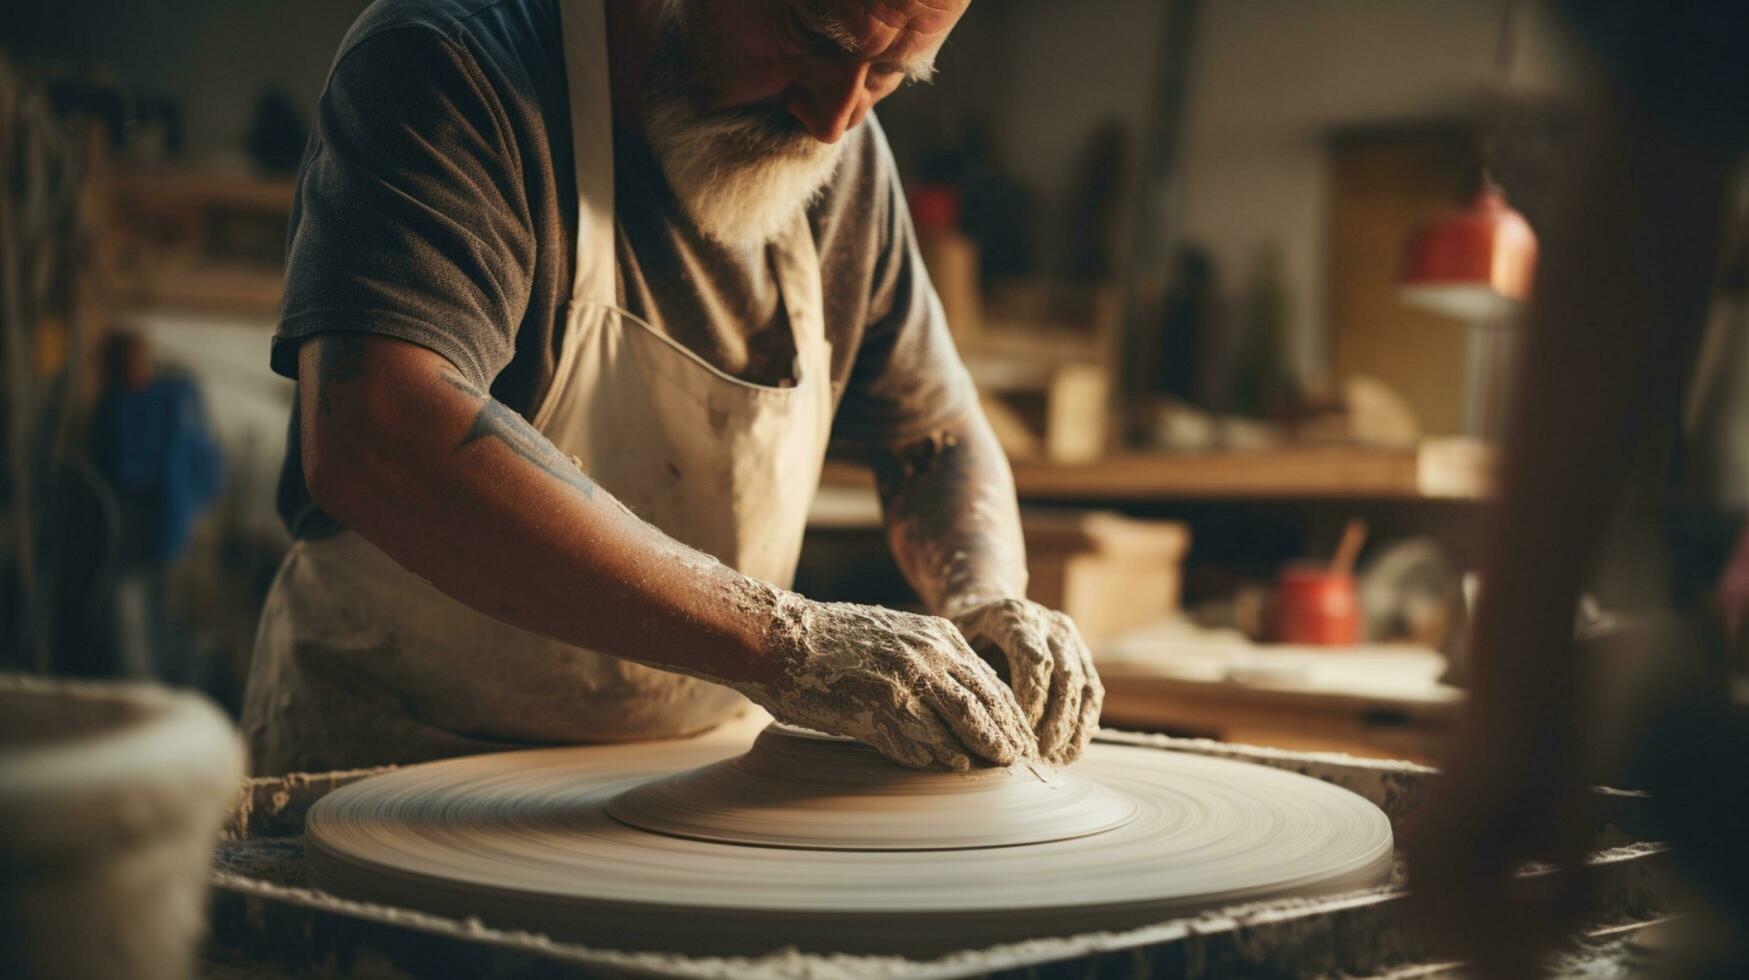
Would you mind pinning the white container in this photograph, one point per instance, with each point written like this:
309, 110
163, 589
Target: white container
111, 797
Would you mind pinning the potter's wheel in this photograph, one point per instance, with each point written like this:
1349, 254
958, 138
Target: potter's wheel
822, 844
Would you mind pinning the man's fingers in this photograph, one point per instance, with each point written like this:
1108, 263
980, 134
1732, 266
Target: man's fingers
1009, 630
1092, 700
900, 749
1057, 727
948, 754
976, 726
953, 759
997, 698
912, 736
936, 738
1030, 666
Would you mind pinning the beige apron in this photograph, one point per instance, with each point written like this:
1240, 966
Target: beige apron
359, 662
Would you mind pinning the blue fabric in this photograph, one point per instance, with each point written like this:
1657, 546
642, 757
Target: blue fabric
161, 445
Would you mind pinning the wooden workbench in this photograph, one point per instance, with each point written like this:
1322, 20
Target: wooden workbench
1448, 469
1451, 469
1373, 701
1248, 510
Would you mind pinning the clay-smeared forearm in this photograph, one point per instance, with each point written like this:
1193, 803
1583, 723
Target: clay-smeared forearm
954, 527
951, 516
461, 490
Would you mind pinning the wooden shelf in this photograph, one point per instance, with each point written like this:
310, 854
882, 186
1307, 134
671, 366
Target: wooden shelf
198, 189
234, 286
1440, 469
200, 239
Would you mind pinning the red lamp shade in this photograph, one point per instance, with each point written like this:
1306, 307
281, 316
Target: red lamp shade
1471, 263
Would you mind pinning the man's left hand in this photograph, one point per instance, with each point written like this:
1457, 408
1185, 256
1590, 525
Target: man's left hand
1048, 665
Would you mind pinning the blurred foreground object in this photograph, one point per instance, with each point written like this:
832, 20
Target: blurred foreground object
111, 798
1592, 488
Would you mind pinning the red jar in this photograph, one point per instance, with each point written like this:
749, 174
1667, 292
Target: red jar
1316, 606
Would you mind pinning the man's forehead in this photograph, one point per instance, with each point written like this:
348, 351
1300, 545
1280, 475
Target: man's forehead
902, 29
924, 18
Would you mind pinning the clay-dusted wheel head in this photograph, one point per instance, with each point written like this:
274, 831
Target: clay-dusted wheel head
523, 840
800, 789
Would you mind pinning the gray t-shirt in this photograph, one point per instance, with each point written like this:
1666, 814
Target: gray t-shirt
437, 204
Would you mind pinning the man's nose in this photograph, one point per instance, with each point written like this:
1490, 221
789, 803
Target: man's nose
831, 103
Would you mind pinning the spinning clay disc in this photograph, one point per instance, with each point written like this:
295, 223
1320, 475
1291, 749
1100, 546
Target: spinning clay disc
822, 844
802, 789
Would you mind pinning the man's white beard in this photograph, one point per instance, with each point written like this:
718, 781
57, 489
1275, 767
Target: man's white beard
740, 174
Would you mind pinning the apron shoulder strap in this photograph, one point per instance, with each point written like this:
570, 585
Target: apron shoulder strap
584, 25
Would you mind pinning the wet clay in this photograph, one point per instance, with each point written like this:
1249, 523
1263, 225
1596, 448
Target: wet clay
856, 800
825, 846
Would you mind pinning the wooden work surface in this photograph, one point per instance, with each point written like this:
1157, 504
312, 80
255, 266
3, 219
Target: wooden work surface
1437, 469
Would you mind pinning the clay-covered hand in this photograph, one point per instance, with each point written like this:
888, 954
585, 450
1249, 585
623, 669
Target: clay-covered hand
1048, 666
906, 684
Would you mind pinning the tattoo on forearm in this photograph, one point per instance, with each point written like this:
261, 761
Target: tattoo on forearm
339, 357
495, 420
952, 520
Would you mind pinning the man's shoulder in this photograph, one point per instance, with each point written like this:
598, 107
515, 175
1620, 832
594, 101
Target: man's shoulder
865, 173
499, 26
867, 161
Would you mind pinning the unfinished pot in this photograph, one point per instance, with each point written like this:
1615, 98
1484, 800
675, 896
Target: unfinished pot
110, 801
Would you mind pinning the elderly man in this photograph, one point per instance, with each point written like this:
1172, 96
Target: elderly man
577, 294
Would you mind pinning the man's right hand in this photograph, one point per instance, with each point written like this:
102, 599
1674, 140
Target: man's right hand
906, 684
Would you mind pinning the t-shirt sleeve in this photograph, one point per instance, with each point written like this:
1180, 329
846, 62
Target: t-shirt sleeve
410, 219
907, 379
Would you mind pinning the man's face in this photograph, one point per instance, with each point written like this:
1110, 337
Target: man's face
824, 62
746, 100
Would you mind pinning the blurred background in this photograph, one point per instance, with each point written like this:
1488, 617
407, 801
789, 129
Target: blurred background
1237, 279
